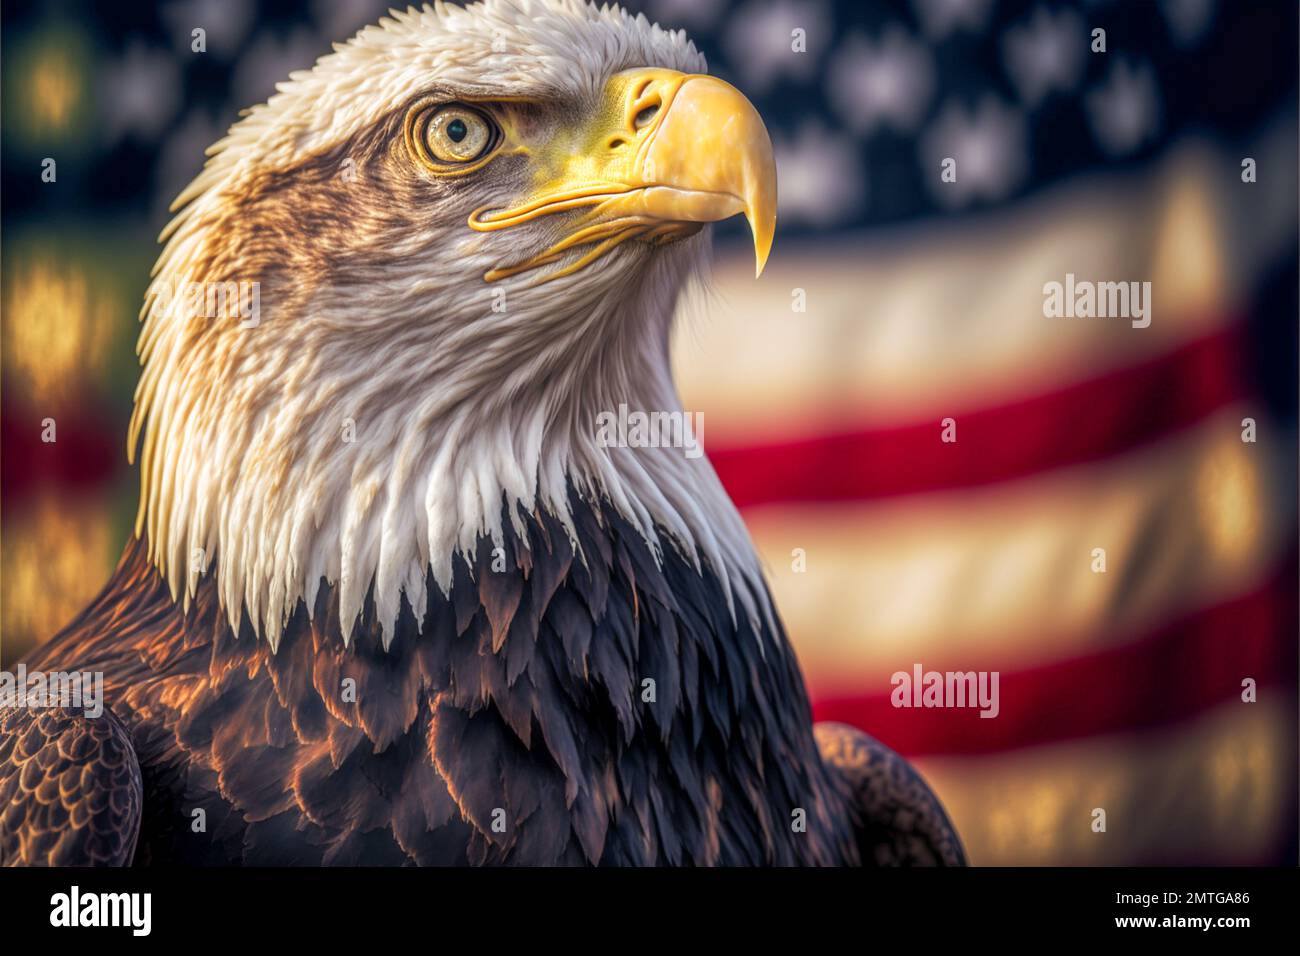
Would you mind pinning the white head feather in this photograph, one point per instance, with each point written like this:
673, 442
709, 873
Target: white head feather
456, 407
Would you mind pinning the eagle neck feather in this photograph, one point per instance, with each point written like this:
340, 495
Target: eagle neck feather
288, 457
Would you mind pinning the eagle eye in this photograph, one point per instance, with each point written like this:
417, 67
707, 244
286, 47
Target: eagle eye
450, 136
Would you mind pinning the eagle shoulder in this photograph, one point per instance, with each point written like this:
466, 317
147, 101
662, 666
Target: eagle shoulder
70, 787
899, 820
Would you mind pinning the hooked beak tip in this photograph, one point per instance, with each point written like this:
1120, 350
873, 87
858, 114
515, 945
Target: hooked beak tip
763, 230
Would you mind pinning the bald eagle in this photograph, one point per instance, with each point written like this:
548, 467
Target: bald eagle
390, 599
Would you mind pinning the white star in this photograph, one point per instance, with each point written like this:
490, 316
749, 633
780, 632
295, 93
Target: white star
988, 145
225, 23
1188, 20
182, 157
941, 18
139, 93
343, 18
695, 14
268, 61
821, 177
759, 40
889, 82
1125, 111
1045, 53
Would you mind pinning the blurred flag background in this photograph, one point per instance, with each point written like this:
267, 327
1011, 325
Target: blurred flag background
894, 300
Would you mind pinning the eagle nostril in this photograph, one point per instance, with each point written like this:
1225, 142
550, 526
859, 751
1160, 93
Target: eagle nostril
644, 117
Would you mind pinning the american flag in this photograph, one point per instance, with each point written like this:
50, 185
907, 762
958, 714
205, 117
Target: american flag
941, 162
899, 303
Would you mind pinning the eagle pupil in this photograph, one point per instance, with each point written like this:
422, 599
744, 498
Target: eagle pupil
457, 130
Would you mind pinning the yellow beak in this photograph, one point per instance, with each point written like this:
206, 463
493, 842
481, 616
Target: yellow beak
665, 153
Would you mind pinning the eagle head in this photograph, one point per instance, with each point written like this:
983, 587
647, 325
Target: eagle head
390, 308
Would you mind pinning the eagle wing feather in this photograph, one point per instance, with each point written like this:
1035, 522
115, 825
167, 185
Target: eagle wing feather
70, 787
900, 821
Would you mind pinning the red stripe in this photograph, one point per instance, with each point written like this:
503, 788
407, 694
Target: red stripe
89, 450
1177, 672
1084, 422
1101, 417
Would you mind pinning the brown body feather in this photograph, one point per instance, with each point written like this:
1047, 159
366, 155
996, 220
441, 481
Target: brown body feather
507, 726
